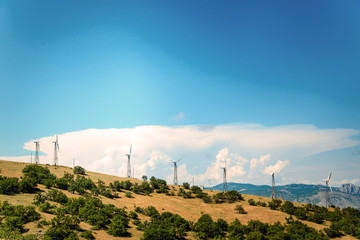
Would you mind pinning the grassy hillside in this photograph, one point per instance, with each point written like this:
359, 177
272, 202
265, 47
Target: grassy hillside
190, 209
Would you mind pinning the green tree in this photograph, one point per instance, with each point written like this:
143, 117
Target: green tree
240, 209
118, 226
79, 170
186, 185
205, 228
9, 185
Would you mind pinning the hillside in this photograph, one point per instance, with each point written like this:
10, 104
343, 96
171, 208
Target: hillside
188, 205
345, 196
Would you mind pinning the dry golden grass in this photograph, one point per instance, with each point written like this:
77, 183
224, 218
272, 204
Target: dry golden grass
190, 209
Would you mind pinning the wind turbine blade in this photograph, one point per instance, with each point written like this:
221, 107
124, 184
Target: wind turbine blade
179, 159
330, 187
329, 176
130, 148
57, 138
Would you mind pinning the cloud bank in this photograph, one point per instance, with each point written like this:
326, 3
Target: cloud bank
251, 151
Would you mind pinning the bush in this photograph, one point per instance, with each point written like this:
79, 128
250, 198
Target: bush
205, 228
233, 196
275, 203
164, 226
57, 196
133, 215
206, 199
118, 226
39, 198
240, 209
9, 186
252, 202
27, 185
62, 183
236, 230
300, 213
186, 185
38, 174
288, 207
17, 216
46, 207
332, 232
87, 235
79, 170
128, 195
219, 197
196, 190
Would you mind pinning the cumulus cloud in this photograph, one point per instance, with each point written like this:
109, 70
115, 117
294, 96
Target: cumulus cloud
280, 165
261, 161
205, 147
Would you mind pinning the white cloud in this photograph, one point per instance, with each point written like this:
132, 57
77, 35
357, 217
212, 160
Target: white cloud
234, 165
280, 165
354, 181
179, 117
104, 150
261, 161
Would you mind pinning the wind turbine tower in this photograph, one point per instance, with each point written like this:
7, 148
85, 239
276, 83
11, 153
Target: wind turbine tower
273, 193
37, 151
56, 150
129, 166
225, 188
327, 193
175, 172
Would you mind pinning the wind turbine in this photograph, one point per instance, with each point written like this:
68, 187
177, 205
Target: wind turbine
175, 171
56, 150
225, 188
328, 186
37, 159
129, 166
273, 193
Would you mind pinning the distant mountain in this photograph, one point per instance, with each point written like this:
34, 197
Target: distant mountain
315, 194
350, 188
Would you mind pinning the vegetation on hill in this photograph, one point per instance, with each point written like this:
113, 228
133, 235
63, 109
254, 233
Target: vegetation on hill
67, 211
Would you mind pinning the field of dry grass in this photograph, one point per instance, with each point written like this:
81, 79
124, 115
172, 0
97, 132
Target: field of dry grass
190, 209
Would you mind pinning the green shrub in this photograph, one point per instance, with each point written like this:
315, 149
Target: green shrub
288, 207
186, 185
233, 196
240, 209
118, 226
133, 215
87, 235
275, 203
252, 202
27, 185
37, 173
62, 183
79, 170
9, 186
206, 228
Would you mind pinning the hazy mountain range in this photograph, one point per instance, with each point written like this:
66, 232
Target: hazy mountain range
348, 195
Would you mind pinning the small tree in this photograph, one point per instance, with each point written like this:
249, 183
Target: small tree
240, 209
186, 185
144, 178
79, 170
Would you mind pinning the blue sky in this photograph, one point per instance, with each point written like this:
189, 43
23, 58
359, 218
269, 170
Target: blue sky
69, 66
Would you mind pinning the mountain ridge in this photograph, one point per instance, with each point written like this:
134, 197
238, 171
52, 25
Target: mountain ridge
344, 196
